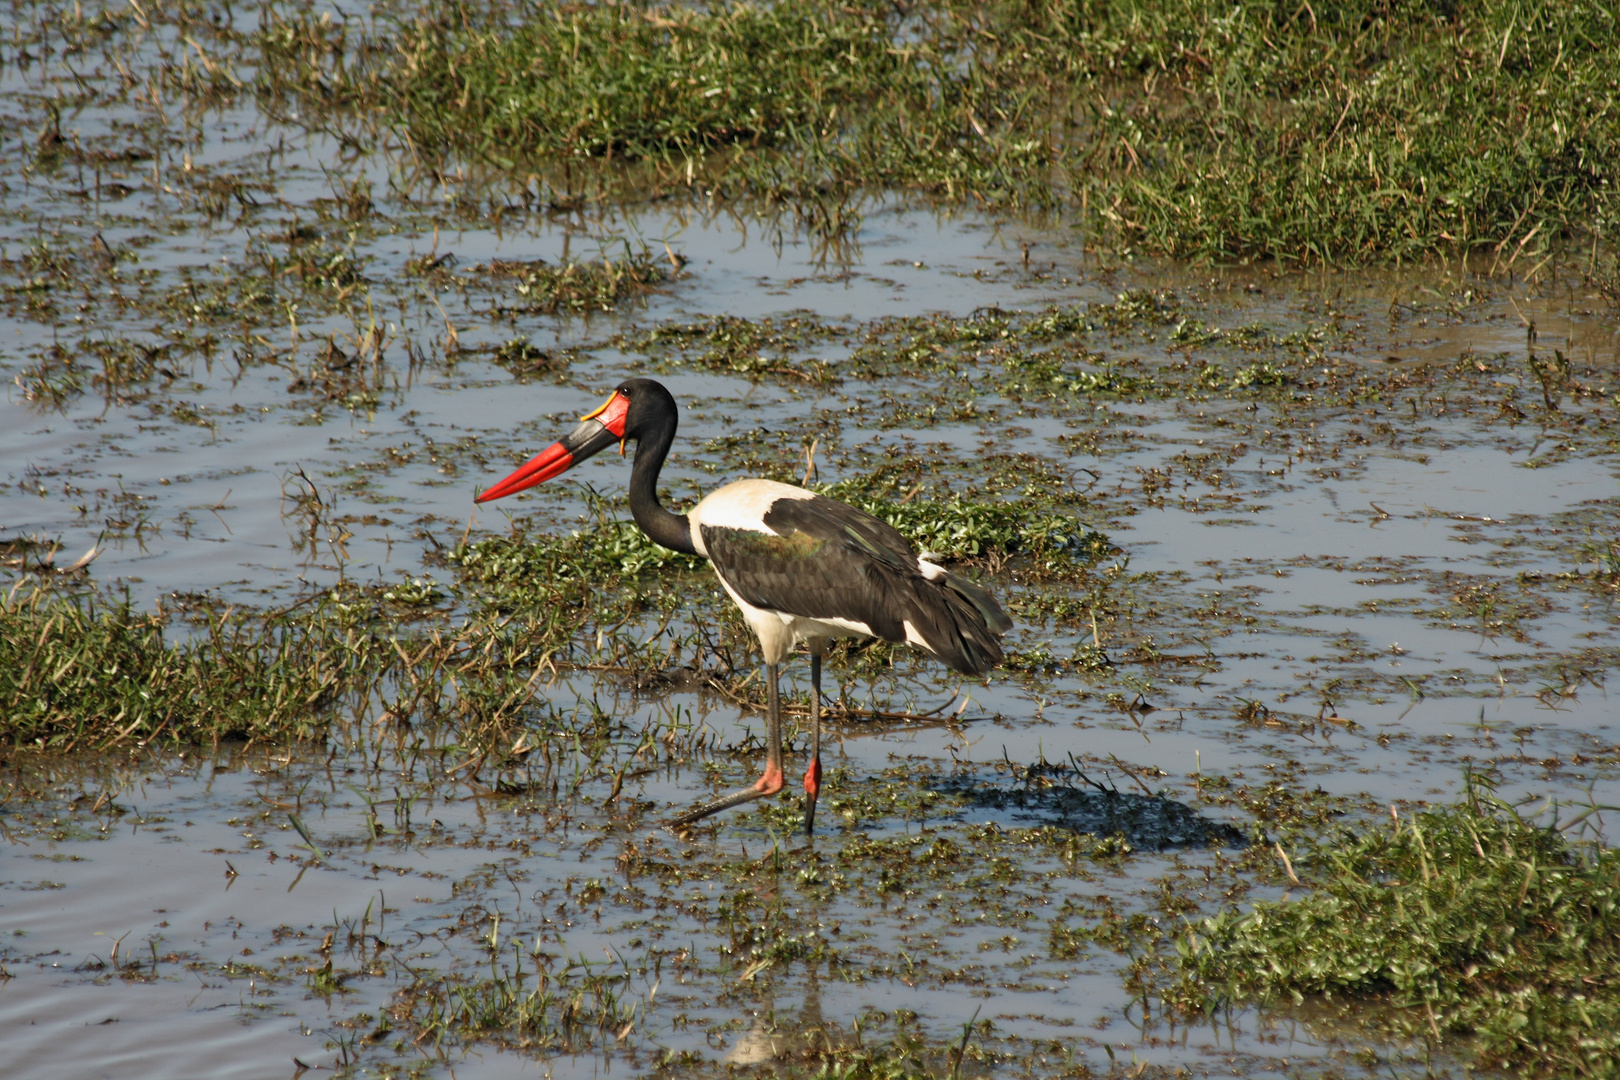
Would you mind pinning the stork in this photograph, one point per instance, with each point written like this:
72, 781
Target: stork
800, 566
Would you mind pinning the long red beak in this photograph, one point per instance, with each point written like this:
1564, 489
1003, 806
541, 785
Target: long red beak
596, 432
554, 460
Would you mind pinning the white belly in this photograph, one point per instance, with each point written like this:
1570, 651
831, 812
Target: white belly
779, 633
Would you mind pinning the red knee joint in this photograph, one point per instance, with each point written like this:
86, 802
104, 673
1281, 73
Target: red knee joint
812, 778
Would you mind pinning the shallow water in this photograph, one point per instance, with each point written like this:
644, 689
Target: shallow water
1322, 580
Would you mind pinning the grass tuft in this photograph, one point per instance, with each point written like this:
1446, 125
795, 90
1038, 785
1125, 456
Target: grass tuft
580, 286
524, 567
1469, 919
83, 673
572, 1006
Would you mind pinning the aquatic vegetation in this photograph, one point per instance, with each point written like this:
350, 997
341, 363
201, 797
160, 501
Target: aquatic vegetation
552, 1006
580, 286
1359, 133
1465, 920
732, 345
540, 570
962, 528
85, 670
88, 672
80, 668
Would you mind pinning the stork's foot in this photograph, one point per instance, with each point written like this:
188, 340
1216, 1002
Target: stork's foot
708, 809
769, 784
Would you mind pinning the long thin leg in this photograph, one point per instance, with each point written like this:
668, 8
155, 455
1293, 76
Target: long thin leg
768, 784
771, 782
812, 775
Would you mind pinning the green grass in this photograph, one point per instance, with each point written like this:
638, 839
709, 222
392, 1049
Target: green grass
1468, 920
1350, 132
1347, 132
737, 346
667, 83
571, 1006
605, 565
89, 672
83, 669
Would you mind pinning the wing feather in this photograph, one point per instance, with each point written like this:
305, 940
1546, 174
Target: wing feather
824, 559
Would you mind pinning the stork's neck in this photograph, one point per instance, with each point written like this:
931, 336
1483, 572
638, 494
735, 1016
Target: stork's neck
661, 526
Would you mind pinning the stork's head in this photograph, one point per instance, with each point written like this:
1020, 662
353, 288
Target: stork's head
636, 408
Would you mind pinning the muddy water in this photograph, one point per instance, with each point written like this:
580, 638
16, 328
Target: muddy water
235, 914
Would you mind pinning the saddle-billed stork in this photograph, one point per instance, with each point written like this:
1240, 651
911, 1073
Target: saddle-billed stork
800, 566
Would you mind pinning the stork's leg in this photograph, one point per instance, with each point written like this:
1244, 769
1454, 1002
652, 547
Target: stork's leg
768, 784
771, 782
812, 775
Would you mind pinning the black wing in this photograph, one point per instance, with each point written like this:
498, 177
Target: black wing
832, 561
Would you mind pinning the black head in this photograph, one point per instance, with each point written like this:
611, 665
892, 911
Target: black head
647, 407
639, 409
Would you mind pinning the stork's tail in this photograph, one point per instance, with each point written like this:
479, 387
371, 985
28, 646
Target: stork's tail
960, 623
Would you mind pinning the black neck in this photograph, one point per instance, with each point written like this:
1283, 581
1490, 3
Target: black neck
662, 527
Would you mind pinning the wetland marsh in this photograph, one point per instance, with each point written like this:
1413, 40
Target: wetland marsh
1310, 539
